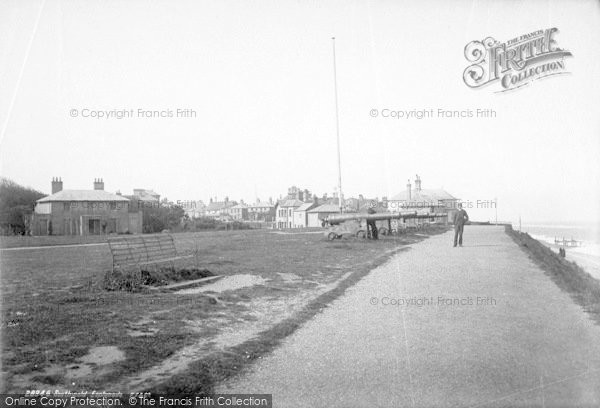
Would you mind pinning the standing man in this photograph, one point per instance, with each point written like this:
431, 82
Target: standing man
371, 226
460, 219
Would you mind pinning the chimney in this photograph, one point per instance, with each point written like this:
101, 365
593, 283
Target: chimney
226, 199
408, 192
270, 200
57, 185
98, 184
316, 199
118, 192
417, 183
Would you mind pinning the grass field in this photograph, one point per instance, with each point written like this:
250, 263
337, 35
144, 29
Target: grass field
55, 310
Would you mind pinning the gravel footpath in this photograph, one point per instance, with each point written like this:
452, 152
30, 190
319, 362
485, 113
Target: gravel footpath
479, 325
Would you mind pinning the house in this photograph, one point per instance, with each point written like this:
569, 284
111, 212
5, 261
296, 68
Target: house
352, 204
219, 209
423, 200
146, 195
300, 214
144, 198
284, 217
262, 211
84, 212
193, 209
318, 214
238, 212
296, 193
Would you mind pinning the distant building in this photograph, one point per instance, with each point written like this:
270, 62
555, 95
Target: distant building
423, 200
143, 198
193, 209
285, 213
84, 212
146, 195
146, 198
238, 212
219, 209
352, 204
262, 211
318, 214
300, 215
295, 193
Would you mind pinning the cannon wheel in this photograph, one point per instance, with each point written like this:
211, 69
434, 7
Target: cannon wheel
361, 234
332, 236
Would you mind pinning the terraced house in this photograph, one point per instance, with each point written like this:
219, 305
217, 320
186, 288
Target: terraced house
84, 212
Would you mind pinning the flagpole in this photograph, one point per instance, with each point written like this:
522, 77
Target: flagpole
337, 129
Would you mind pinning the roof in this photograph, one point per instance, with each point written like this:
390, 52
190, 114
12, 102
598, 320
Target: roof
331, 208
372, 204
145, 195
219, 205
291, 203
240, 205
432, 195
305, 207
262, 204
82, 195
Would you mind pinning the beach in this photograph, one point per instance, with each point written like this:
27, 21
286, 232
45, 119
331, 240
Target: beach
587, 255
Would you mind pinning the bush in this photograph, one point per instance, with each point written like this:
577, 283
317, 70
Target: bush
129, 281
134, 281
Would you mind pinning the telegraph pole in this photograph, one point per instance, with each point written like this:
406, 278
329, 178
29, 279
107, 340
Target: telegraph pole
496, 206
337, 129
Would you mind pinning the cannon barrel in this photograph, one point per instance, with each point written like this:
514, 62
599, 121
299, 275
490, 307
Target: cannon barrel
335, 219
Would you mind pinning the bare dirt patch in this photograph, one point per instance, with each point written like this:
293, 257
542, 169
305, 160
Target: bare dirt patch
228, 283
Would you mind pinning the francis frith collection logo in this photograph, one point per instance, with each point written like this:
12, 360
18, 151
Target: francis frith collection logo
514, 63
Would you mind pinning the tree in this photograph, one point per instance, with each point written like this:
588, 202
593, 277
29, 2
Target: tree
16, 206
156, 219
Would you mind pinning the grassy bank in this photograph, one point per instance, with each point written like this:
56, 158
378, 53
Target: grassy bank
570, 277
55, 310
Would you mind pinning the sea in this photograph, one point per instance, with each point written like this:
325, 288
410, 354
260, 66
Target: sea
587, 255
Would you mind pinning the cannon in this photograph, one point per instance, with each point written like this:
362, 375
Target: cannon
355, 224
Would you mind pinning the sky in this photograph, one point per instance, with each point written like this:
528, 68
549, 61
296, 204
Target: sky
259, 76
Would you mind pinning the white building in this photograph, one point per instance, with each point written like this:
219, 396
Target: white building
318, 214
301, 215
284, 217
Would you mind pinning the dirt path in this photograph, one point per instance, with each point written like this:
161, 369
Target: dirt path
526, 343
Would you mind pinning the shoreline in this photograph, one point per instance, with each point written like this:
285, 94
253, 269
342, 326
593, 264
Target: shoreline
588, 261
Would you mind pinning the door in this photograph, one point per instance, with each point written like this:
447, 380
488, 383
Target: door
94, 227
